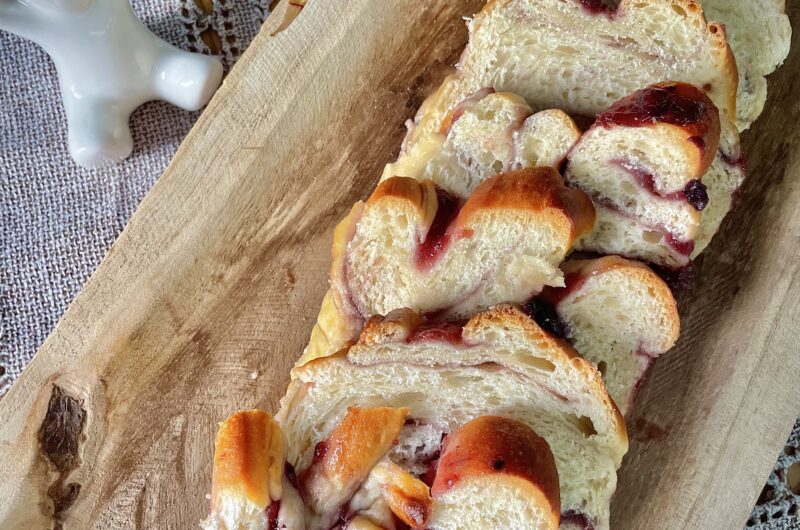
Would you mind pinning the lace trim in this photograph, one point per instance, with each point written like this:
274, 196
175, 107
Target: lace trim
214, 27
778, 506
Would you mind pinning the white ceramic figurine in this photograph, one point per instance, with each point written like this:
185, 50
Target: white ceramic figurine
108, 64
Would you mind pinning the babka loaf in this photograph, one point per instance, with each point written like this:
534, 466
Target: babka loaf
500, 363
759, 34
617, 313
413, 246
643, 162
352, 484
486, 134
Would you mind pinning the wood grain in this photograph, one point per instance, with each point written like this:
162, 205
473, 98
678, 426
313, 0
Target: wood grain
210, 293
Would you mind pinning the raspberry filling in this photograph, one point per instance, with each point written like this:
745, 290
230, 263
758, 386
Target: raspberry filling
437, 332
694, 193
438, 237
272, 512
679, 104
544, 313
682, 247
597, 7
577, 519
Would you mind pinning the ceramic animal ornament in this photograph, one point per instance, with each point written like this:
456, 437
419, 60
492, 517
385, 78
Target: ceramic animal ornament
108, 64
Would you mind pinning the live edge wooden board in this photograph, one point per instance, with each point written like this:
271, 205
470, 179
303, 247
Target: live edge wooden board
210, 293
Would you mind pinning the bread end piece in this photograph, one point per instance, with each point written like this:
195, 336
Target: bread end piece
249, 456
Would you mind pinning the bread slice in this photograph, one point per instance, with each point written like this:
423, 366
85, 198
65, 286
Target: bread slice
504, 457
617, 313
581, 56
759, 34
643, 162
486, 134
250, 490
500, 363
411, 245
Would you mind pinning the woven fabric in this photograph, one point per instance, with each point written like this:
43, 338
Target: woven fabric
58, 220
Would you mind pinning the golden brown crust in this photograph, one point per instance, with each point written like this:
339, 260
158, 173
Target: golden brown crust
538, 189
346, 457
494, 446
408, 497
249, 455
577, 272
397, 326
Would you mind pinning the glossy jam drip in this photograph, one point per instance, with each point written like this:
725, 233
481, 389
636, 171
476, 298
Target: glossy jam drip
438, 238
437, 332
597, 7
675, 104
696, 194
576, 518
545, 314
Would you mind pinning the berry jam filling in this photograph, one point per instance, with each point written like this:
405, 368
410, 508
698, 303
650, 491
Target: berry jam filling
679, 104
544, 313
437, 332
699, 142
696, 194
734, 162
598, 7
681, 279
320, 450
272, 512
437, 238
291, 474
683, 248
576, 518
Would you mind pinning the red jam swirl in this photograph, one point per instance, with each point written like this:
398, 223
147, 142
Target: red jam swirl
272, 512
320, 450
576, 518
437, 238
597, 7
437, 332
675, 104
695, 192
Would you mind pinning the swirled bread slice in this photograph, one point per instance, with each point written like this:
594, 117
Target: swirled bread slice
759, 34
486, 134
617, 313
499, 363
505, 458
643, 162
581, 56
411, 245
250, 490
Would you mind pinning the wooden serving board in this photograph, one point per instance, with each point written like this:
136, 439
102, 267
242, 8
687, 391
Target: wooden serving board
211, 291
